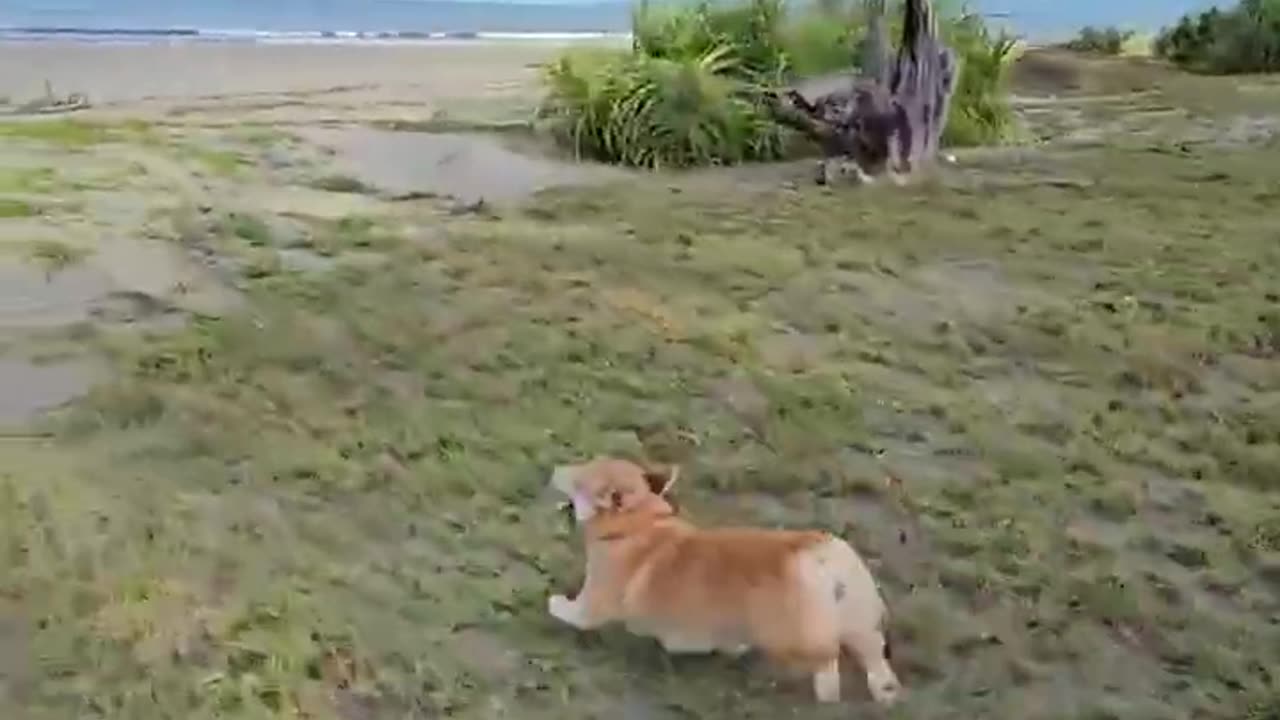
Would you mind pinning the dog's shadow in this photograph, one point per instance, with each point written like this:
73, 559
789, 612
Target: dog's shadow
679, 682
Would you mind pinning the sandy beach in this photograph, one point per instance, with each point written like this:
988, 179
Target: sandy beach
278, 82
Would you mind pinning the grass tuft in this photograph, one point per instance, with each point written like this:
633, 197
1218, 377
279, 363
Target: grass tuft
221, 163
28, 180
65, 133
54, 255
14, 208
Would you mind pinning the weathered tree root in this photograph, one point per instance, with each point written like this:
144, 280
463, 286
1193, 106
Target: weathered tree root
890, 120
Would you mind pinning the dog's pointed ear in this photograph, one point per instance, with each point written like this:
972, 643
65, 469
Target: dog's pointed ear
661, 479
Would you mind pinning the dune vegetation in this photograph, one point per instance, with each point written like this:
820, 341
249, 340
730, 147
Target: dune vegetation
1242, 39
694, 88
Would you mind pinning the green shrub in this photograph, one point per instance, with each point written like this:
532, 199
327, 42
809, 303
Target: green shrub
751, 32
1103, 41
1244, 39
694, 89
822, 40
980, 111
655, 112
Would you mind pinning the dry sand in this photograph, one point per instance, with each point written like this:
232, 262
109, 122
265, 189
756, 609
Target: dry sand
276, 82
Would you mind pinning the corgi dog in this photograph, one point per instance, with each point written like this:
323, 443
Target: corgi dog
798, 596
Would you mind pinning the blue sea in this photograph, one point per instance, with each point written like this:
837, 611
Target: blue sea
427, 20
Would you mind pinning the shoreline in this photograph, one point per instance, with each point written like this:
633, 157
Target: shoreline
1033, 35
1025, 28
162, 36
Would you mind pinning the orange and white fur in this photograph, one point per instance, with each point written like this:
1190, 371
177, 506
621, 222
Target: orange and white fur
798, 596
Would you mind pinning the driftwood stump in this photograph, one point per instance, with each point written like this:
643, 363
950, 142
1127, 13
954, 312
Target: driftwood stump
49, 104
889, 118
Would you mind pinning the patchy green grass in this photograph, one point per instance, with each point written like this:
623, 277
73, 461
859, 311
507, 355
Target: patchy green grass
247, 227
331, 504
27, 180
221, 163
264, 136
14, 208
77, 134
50, 181
65, 133
354, 233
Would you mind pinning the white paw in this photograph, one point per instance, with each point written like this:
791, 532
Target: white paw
860, 176
885, 691
678, 645
826, 684
563, 609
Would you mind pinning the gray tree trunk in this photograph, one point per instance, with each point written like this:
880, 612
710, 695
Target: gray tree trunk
890, 118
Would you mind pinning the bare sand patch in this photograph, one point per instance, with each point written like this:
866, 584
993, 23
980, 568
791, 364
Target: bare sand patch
466, 166
33, 297
32, 388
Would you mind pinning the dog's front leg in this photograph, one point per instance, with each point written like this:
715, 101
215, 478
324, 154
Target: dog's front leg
577, 612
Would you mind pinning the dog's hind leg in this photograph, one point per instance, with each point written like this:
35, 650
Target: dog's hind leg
872, 651
826, 682
862, 618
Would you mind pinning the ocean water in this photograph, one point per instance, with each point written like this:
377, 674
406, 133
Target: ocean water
418, 20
